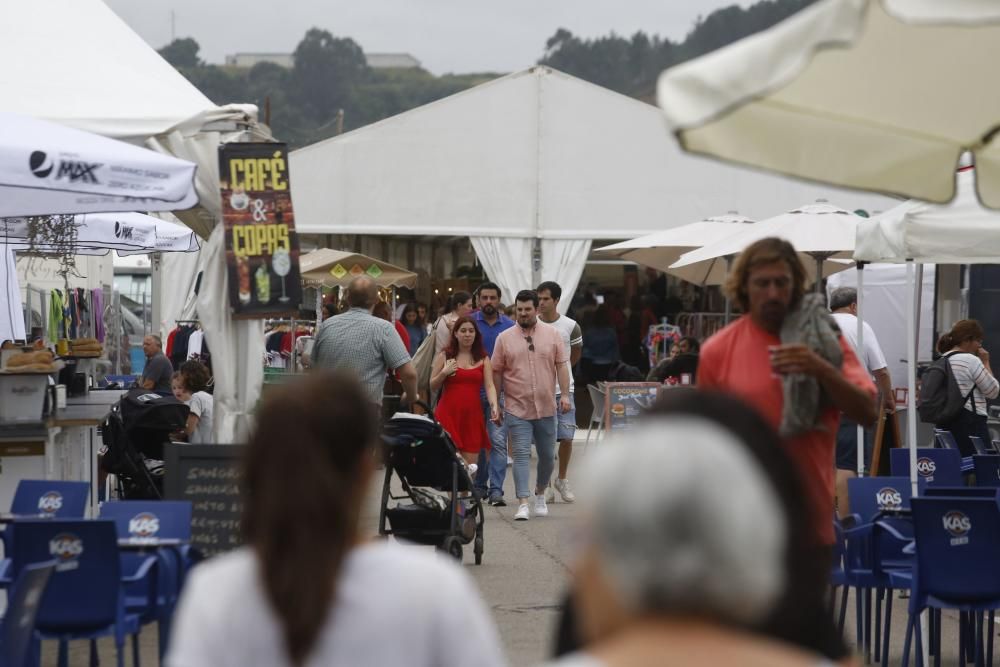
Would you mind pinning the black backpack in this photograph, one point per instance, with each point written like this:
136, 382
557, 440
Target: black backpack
940, 400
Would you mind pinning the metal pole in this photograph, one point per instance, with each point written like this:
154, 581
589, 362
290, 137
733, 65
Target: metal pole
864, 362
729, 304
918, 296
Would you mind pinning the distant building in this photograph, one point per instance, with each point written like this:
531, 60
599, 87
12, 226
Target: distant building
287, 60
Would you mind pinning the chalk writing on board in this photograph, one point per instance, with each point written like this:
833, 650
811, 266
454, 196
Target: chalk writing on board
208, 476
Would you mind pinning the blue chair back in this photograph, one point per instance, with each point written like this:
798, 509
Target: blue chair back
987, 470
961, 492
945, 439
979, 445
868, 496
958, 543
164, 519
22, 609
936, 467
52, 498
89, 570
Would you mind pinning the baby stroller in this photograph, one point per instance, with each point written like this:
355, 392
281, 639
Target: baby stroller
432, 473
134, 434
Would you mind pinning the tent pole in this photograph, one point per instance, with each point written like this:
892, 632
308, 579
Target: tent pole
918, 296
863, 358
729, 304
911, 402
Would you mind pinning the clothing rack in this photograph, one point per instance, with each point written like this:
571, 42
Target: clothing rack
659, 338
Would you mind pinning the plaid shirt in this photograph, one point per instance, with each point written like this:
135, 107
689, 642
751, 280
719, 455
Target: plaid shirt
358, 341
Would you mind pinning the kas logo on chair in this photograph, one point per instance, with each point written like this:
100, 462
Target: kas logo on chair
66, 548
926, 467
888, 498
958, 526
145, 524
50, 503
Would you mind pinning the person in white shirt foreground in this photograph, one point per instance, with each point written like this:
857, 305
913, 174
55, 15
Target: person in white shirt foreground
308, 589
690, 547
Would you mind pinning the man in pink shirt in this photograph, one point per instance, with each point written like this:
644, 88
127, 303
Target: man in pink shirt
527, 359
747, 359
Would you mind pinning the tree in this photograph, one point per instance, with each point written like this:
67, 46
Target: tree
182, 53
326, 71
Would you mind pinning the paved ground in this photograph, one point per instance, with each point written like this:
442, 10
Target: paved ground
523, 577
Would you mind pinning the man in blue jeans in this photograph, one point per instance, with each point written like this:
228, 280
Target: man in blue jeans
527, 362
492, 468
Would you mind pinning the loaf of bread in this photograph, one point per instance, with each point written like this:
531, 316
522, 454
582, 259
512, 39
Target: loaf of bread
85, 342
30, 358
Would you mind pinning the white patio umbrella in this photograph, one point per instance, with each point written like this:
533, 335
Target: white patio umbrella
660, 250
46, 168
821, 233
99, 233
880, 95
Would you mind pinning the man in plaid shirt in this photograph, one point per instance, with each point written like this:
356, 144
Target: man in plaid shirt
369, 346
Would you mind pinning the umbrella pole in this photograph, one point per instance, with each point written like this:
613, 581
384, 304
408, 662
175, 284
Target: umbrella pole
863, 359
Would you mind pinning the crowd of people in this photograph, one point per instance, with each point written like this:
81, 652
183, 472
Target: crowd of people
708, 534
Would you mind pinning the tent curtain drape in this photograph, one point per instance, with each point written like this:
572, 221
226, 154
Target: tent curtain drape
11, 309
563, 261
237, 347
508, 263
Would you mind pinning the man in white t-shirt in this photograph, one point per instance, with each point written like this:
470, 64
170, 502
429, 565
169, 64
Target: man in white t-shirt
549, 293
844, 304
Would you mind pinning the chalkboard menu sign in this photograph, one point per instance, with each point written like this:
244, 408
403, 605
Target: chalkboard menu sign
208, 476
625, 401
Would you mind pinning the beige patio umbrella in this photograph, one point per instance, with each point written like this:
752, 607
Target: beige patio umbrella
337, 268
882, 95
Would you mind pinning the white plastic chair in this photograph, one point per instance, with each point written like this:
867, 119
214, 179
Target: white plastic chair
597, 416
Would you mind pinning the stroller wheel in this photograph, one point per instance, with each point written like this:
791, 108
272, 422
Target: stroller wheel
453, 545
477, 549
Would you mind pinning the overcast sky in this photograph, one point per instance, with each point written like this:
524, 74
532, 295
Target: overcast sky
445, 35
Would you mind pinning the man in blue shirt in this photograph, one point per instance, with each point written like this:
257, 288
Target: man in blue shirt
491, 322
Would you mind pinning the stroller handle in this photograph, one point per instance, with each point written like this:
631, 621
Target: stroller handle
427, 409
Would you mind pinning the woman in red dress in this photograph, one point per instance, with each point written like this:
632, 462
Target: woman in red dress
463, 369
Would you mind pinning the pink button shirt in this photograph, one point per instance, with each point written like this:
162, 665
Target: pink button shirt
529, 378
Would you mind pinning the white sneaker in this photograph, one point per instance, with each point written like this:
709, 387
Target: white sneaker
523, 513
510, 462
562, 486
541, 509
550, 494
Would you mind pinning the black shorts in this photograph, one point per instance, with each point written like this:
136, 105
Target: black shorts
847, 445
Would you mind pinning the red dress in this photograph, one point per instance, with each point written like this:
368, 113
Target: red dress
460, 410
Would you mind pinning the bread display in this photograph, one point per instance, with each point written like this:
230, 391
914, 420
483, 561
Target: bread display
31, 362
85, 347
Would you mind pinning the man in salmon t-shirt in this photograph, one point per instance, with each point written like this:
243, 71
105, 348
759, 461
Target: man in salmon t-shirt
747, 359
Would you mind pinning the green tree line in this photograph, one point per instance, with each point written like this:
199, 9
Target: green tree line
330, 73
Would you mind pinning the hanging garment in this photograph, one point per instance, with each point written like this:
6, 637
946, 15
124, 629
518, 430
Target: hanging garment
55, 326
194, 343
97, 301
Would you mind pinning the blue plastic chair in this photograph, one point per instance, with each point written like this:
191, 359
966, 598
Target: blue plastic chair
157, 519
22, 609
88, 600
873, 551
51, 498
936, 467
961, 492
987, 470
958, 543
980, 446
946, 440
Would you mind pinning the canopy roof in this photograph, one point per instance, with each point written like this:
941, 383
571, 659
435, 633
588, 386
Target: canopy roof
538, 153
78, 64
338, 268
961, 232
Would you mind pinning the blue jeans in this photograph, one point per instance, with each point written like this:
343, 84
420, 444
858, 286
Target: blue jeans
522, 432
494, 470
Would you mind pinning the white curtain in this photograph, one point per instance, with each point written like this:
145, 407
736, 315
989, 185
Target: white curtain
11, 309
237, 347
507, 261
563, 261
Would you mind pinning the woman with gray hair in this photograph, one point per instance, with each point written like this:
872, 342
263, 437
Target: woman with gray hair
694, 562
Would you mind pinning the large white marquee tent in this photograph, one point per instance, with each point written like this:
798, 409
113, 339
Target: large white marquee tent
534, 165
80, 65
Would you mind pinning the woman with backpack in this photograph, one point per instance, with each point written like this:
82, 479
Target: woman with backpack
970, 365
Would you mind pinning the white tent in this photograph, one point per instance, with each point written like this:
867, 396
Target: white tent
885, 295
533, 166
80, 65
